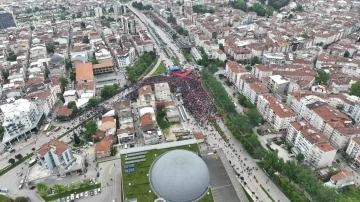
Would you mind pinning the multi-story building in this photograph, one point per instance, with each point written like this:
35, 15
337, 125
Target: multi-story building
273, 58
353, 150
102, 74
123, 109
312, 143
98, 12
278, 84
20, 117
340, 137
162, 92
149, 129
278, 114
146, 97
55, 154
253, 88
234, 71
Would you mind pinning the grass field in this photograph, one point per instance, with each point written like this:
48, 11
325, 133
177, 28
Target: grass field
161, 69
137, 185
2, 197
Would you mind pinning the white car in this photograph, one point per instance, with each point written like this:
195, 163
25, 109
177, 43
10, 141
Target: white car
72, 196
81, 195
95, 192
86, 194
77, 196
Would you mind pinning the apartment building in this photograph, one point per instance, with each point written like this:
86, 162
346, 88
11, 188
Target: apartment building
55, 154
146, 97
353, 150
273, 58
233, 71
102, 74
312, 143
278, 114
278, 84
253, 88
298, 102
20, 117
162, 92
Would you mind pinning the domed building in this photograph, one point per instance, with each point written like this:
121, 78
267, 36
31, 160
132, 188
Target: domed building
179, 176
56, 59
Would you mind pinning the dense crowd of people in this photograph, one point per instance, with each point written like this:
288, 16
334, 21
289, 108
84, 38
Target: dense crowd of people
195, 98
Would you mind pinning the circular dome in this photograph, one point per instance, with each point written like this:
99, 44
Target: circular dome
179, 176
56, 59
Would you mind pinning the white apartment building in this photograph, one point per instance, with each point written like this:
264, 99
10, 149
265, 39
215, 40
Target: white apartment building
20, 117
260, 71
162, 92
70, 96
123, 58
273, 58
278, 114
233, 71
252, 89
298, 102
55, 154
98, 12
146, 97
278, 84
353, 150
340, 137
312, 143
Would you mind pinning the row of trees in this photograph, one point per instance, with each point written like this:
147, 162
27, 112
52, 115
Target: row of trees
17, 156
182, 31
17, 199
140, 6
58, 188
281, 172
202, 9
211, 65
141, 66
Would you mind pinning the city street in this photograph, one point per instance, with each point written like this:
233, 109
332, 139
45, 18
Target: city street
159, 31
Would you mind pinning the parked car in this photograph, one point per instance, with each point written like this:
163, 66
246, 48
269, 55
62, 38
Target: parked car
91, 193
81, 195
72, 196
32, 187
99, 190
86, 194
95, 192
77, 196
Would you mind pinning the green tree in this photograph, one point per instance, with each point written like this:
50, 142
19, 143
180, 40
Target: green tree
5, 74
255, 60
21, 199
58, 188
108, 91
68, 64
346, 54
305, 36
11, 161
83, 25
221, 47
63, 83
72, 76
94, 61
258, 9
76, 139
42, 189
50, 48
86, 39
8, 200
269, 10
93, 101
11, 57
71, 104
18, 156
322, 77
63, 17
242, 99
355, 89
254, 117
113, 151
174, 36
300, 157
91, 128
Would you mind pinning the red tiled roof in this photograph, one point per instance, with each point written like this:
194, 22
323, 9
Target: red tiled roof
59, 147
103, 145
341, 175
107, 119
146, 119
64, 111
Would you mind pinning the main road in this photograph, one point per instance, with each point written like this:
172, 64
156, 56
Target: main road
164, 37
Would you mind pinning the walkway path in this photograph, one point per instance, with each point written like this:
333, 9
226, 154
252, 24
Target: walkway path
154, 68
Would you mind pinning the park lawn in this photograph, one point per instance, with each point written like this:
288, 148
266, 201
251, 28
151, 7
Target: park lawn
2, 197
160, 119
68, 193
176, 62
161, 69
137, 185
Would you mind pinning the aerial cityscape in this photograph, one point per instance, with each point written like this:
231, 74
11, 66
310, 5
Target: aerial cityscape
180, 101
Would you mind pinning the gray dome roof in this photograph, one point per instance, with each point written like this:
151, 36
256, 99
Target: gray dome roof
56, 59
179, 176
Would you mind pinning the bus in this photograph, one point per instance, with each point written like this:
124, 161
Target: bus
32, 162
